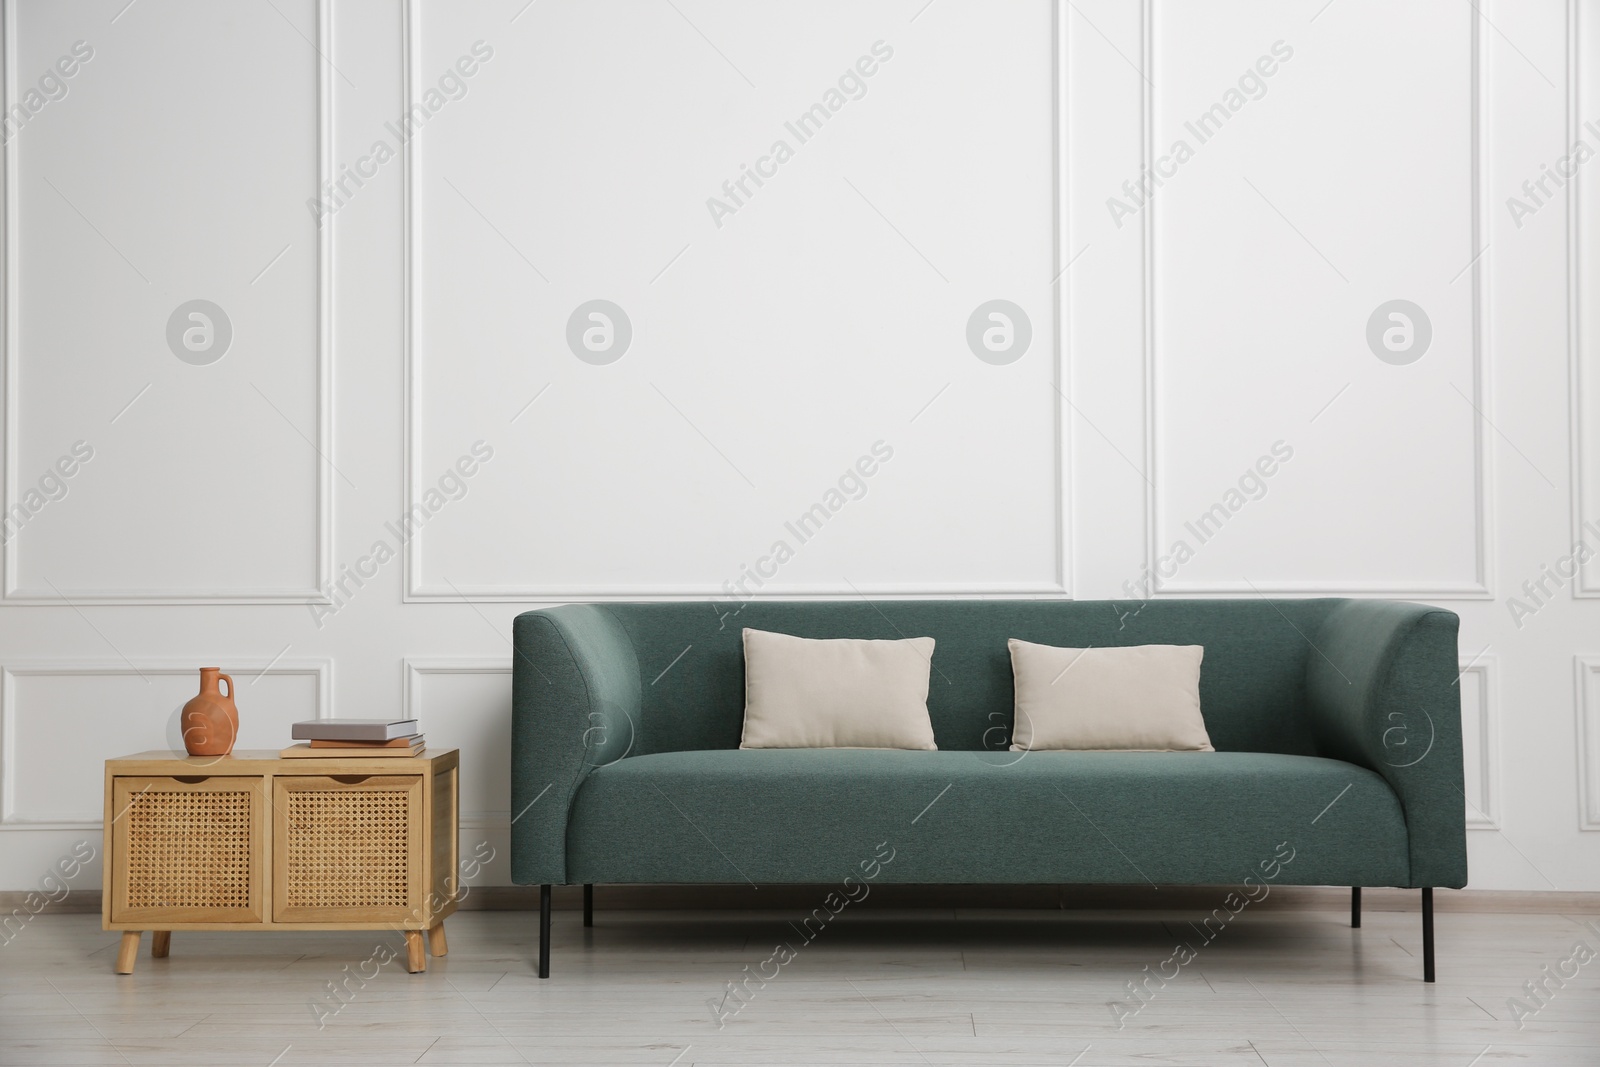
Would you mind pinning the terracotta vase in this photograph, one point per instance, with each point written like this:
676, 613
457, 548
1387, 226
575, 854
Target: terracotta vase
210, 721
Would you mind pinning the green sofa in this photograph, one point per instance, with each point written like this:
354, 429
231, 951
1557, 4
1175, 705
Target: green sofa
1336, 722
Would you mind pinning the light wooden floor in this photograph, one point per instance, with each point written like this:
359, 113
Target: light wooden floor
1284, 989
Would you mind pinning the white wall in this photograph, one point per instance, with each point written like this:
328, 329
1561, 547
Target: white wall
777, 339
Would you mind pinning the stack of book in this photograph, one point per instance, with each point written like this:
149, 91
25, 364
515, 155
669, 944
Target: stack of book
344, 738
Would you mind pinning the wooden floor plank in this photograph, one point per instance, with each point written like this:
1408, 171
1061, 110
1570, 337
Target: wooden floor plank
1274, 989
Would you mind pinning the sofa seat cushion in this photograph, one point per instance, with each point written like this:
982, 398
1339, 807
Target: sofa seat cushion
812, 816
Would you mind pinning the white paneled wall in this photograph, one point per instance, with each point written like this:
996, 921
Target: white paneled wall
1266, 252
160, 178
463, 702
57, 724
773, 343
336, 332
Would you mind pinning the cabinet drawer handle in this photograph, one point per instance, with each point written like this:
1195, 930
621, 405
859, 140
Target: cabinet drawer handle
349, 779
191, 779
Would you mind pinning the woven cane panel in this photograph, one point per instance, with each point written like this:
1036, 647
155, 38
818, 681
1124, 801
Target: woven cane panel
347, 848
188, 850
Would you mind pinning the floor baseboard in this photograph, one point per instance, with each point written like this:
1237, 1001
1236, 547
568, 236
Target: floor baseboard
1034, 897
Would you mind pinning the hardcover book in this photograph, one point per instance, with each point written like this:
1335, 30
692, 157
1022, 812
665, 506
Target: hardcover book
305, 751
353, 729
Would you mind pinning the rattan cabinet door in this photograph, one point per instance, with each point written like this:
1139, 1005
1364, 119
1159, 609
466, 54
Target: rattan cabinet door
347, 848
187, 849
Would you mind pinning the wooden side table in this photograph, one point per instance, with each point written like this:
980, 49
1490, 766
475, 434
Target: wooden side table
253, 841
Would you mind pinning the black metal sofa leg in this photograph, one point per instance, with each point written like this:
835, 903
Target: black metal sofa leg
1355, 907
1427, 935
588, 905
544, 931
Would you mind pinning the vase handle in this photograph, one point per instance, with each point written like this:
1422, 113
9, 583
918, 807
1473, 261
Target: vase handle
225, 678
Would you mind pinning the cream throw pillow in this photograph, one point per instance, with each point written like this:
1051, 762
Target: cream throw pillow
800, 693
1137, 698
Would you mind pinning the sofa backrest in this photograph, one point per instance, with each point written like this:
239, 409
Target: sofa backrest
1252, 680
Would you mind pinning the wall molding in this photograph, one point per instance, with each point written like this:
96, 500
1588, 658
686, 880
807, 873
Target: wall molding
1061, 291
1587, 705
415, 589
1489, 814
1478, 587
1585, 585
413, 668
242, 668
10, 370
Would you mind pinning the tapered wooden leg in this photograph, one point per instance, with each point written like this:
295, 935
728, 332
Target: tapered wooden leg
588, 905
160, 944
436, 943
128, 951
1355, 906
416, 958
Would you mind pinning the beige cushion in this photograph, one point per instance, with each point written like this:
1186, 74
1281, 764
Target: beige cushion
800, 693
1141, 698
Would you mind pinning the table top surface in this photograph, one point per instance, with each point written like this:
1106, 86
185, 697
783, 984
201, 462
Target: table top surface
220, 764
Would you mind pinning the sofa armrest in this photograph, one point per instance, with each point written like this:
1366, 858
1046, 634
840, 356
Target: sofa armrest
1382, 689
574, 706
